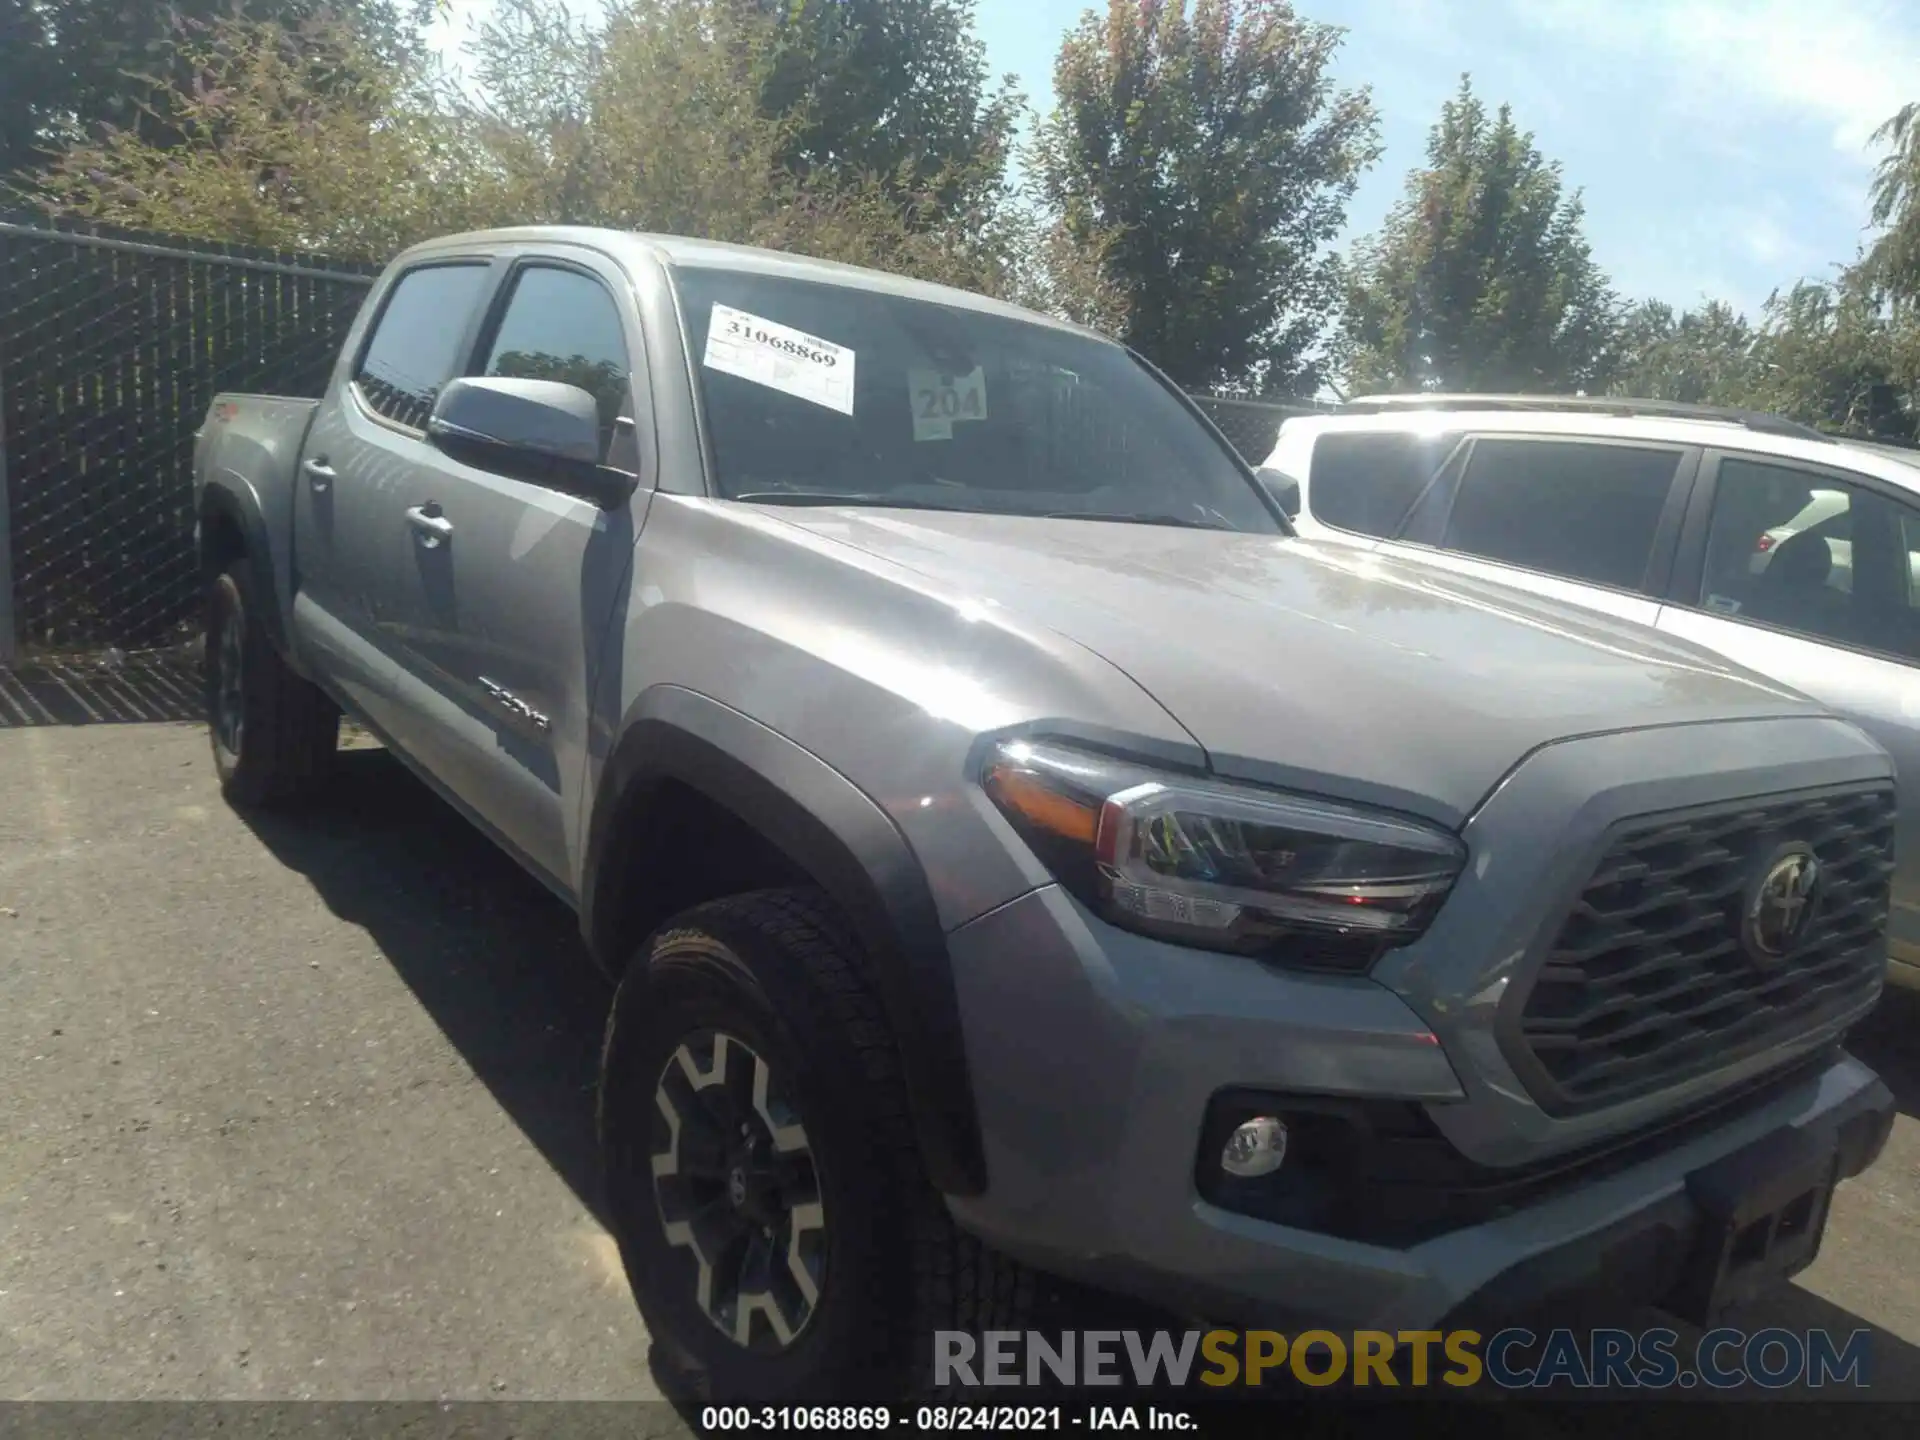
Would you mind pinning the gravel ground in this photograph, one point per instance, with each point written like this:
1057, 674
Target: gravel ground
302, 1109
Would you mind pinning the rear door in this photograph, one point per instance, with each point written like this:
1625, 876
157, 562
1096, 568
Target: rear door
1590, 521
366, 442
1806, 574
512, 582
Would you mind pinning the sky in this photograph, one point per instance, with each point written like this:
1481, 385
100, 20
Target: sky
1722, 145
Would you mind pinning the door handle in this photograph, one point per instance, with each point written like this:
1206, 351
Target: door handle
432, 528
319, 475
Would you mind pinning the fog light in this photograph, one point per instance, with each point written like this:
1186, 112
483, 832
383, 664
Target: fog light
1256, 1147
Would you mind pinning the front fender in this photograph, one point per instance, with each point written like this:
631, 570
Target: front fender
834, 833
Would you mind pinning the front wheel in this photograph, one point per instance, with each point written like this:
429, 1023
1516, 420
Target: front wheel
274, 734
780, 1235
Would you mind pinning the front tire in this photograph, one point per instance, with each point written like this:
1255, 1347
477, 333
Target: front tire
274, 734
746, 1033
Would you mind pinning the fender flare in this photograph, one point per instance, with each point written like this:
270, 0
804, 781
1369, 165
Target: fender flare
219, 499
834, 833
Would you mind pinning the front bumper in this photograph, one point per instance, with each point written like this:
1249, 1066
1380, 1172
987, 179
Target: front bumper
1654, 1255
1095, 1052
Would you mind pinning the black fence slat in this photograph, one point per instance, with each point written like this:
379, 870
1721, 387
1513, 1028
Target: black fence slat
1252, 426
112, 346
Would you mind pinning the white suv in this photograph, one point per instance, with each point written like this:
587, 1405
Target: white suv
1790, 552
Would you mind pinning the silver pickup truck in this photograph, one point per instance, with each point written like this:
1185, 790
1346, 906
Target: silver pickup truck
1018, 855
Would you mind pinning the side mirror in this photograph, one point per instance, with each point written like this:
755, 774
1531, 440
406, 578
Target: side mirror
538, 430
1283, 488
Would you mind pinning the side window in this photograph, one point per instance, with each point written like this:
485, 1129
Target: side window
1910, 542
1577, 509
1367, 482
562, 325
413, 349
1802, 551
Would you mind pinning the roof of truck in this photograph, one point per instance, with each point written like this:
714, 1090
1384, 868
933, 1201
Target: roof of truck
685, 252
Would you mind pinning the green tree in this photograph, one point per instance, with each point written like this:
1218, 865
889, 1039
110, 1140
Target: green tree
70, 67
23, 47
1704, 356
297, 140
653, 118
1836, 355
1481, 279
1892, 262
893, 89
1840, 354
1833, 354
640, 119
1204, 153
1059, 271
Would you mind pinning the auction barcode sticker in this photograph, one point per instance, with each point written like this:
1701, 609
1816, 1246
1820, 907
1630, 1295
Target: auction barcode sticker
780, 357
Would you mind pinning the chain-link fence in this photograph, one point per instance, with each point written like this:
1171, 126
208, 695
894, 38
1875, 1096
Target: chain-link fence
112, 346
1251, 425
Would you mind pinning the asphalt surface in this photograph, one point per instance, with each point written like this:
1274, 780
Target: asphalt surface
302, 1108
295, 1112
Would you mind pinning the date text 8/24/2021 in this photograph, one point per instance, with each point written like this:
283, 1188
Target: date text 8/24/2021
923, 1419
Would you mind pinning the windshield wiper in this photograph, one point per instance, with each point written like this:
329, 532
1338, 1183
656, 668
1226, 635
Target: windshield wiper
1135, 518
893, 502
818, 497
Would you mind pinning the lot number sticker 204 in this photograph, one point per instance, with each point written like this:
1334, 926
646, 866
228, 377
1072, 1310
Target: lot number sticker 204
781, 358
940, 399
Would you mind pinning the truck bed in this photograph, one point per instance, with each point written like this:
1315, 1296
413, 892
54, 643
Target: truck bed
255, 438
246, 459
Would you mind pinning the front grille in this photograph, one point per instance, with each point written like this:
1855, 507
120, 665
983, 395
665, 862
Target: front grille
1649, 983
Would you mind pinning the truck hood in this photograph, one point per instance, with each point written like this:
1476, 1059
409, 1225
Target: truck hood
1321, 668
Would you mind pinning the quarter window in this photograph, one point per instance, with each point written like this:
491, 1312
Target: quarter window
1367, 482
1580, 510
416, 341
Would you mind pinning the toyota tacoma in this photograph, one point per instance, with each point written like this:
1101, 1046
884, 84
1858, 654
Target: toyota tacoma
1017, 854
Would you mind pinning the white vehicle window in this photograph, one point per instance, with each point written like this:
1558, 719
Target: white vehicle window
1366, 482
1577, 509
1910, 536
1824, 505
1793, 549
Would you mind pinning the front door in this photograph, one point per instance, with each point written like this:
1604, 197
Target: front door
513, 583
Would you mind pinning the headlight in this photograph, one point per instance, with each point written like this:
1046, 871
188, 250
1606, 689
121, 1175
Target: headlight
1225, 866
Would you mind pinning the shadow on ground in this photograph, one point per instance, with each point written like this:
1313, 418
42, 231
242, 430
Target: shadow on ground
1889, 1041
101, 691
499, 965
493, 957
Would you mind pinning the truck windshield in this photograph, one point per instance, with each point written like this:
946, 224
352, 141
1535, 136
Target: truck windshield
819, 394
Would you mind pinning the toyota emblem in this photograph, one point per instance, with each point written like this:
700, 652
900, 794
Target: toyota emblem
1779, 902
